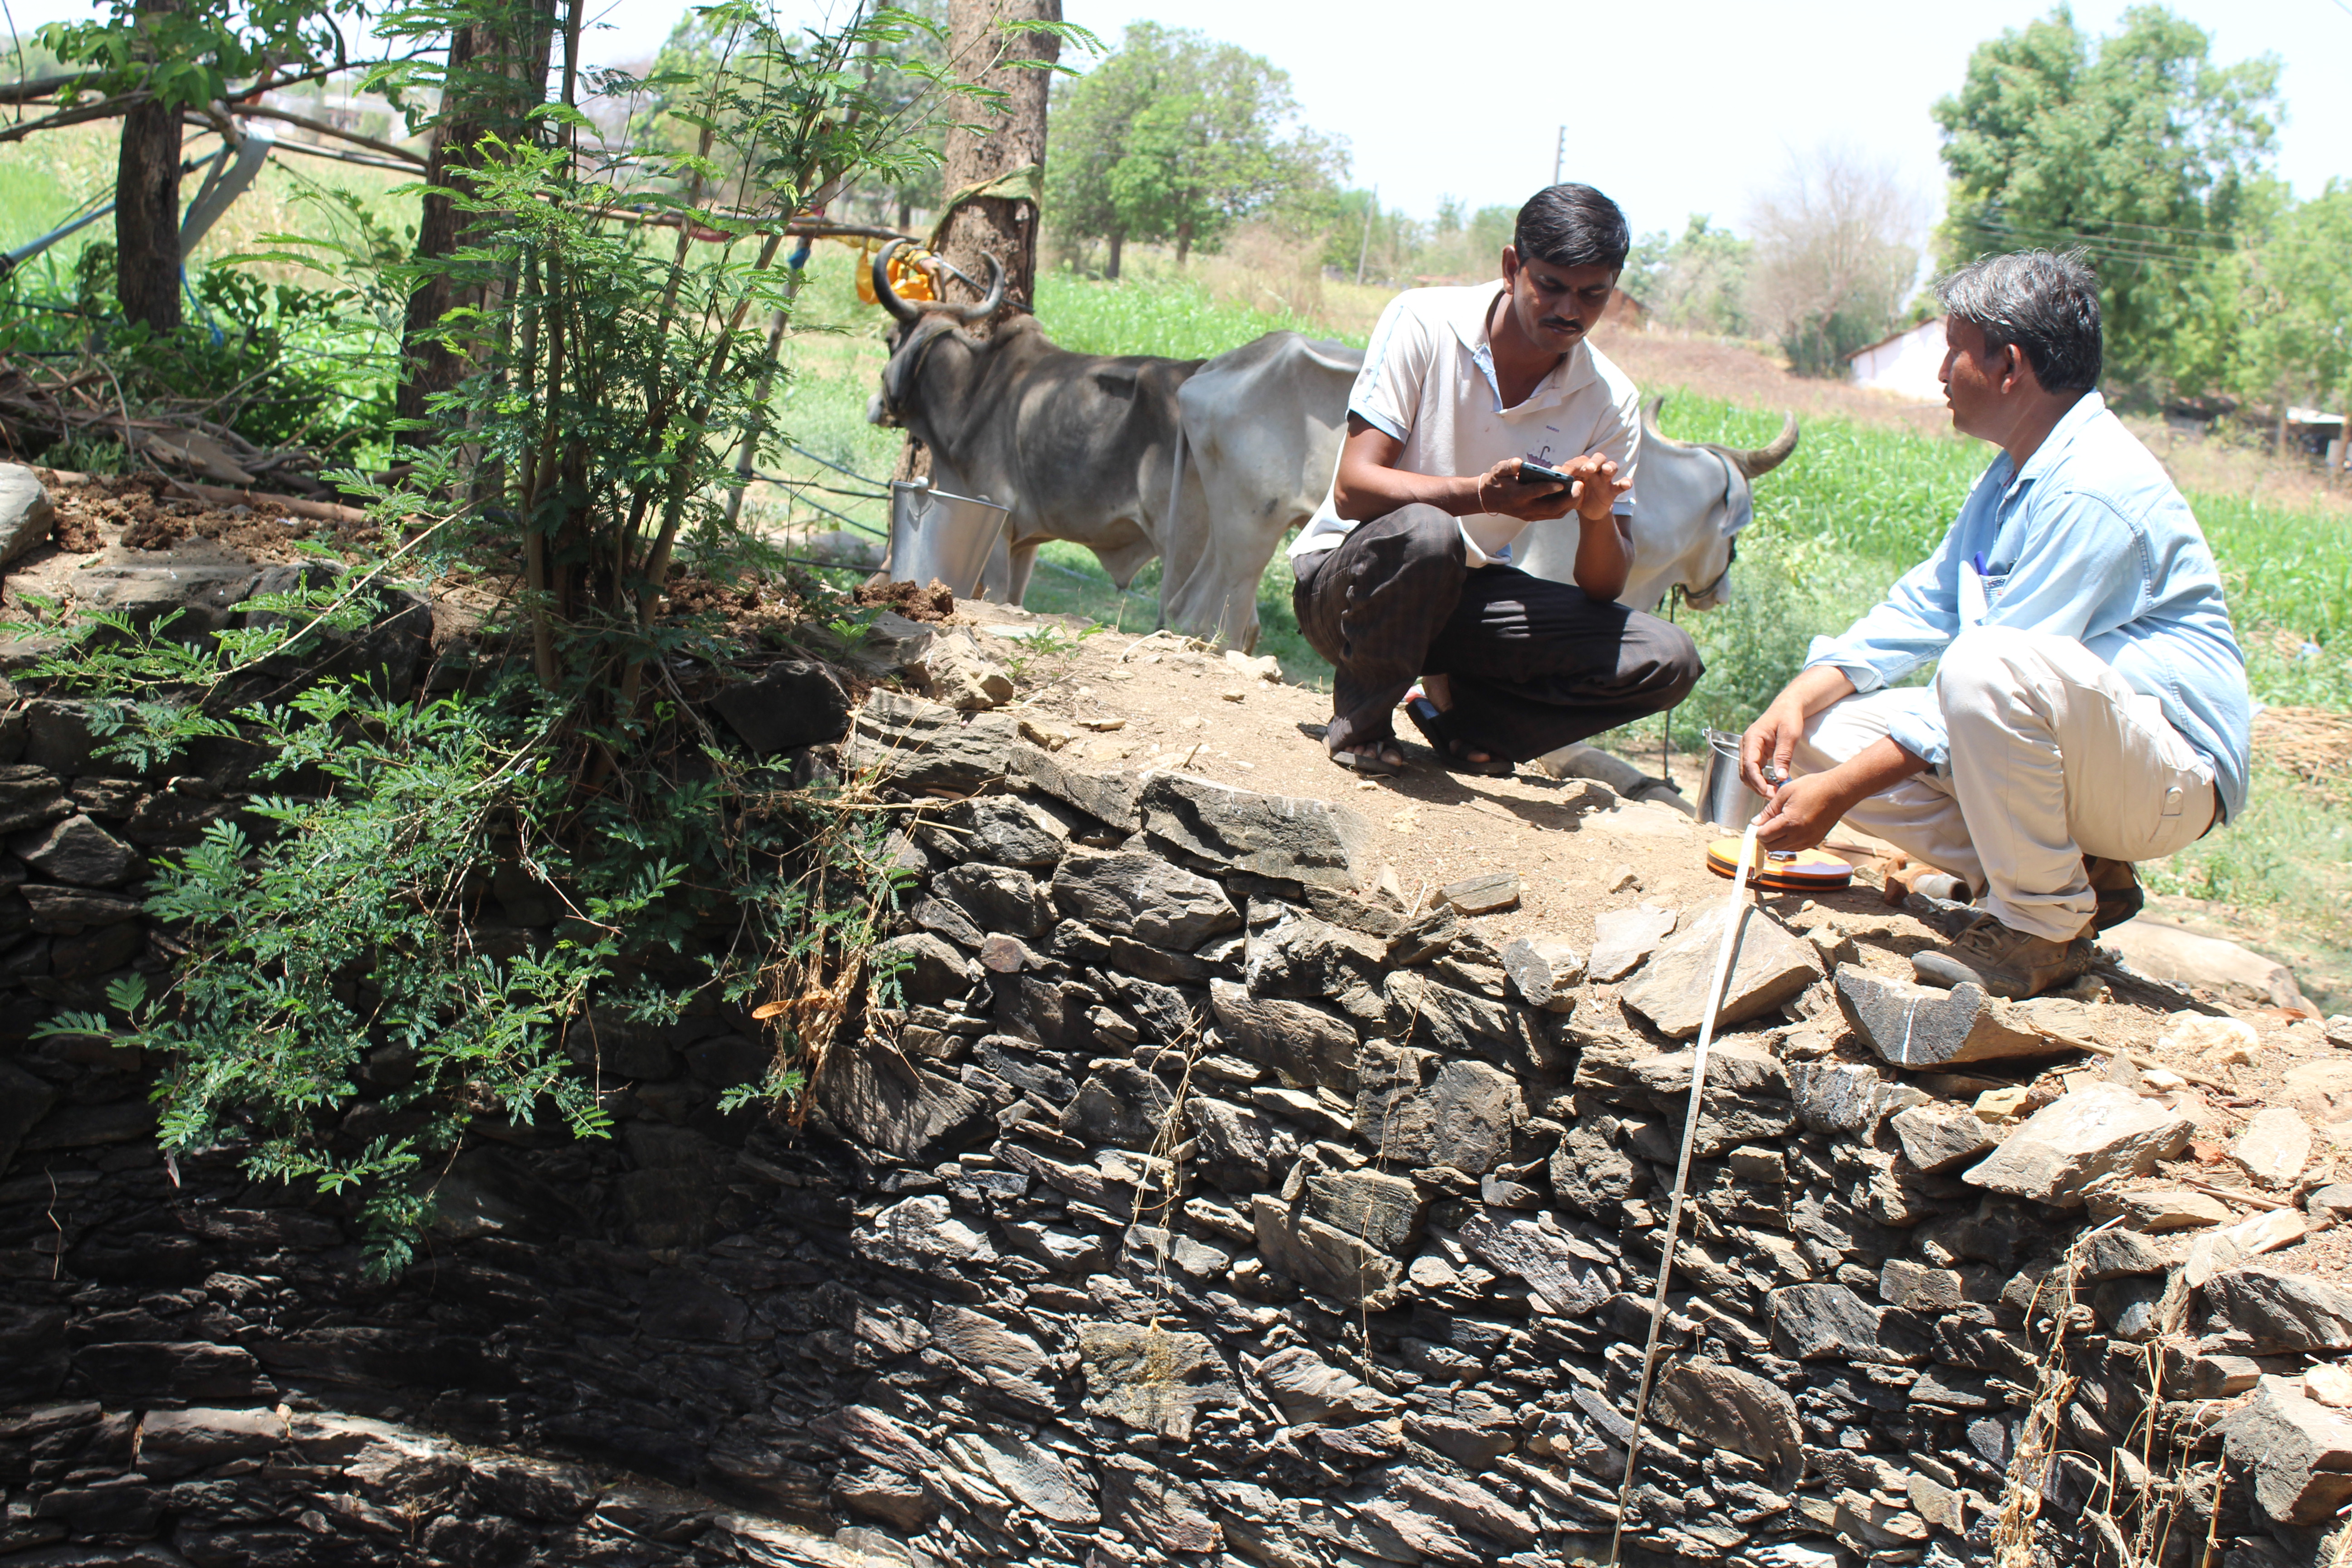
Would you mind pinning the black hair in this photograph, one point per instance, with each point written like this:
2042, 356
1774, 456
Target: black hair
2046, 302
1571, 226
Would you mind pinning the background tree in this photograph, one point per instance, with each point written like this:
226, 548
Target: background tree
2293, 342
1697, 283
1177, 138
1835, 250
152, 60
2137, 147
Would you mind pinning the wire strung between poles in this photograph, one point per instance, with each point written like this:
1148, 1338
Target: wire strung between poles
1733, 920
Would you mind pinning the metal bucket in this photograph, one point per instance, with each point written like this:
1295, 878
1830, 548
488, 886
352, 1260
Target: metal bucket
936, 534
1724, 799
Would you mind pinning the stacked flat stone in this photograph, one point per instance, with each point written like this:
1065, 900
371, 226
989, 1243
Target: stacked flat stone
1188, 1201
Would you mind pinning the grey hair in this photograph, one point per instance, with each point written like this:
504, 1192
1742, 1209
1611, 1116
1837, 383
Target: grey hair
2045, 302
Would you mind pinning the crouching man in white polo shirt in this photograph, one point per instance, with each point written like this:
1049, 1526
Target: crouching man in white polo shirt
1404, 573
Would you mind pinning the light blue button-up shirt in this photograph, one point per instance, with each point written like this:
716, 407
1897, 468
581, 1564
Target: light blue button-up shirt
2090, 541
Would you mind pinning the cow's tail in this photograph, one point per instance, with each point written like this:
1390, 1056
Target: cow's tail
1167, 523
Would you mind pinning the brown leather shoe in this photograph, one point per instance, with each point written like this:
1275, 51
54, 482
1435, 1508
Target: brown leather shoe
2007, 963
2117, 886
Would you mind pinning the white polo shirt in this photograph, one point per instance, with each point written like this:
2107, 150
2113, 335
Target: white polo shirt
1429, 380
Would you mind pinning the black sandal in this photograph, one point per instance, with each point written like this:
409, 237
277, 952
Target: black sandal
1372, 766
1438, 732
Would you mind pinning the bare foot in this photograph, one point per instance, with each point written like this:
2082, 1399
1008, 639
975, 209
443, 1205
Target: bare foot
1384, 751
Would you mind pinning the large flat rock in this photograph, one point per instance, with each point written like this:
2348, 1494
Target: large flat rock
1460, 1114
2160, 950
795, 702
2299, 1450
2099, 1131
1623, 940
918, 745
1306, 1046
909, 1114
2283, 1313
1770, 965
1309, 841
1914, 1026
1131, 894
1725, 1407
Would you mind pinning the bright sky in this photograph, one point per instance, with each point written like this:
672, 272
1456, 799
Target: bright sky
1672, 110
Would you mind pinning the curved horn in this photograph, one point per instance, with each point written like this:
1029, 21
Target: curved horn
990, 302
883, 292
1757, 461
1650, 411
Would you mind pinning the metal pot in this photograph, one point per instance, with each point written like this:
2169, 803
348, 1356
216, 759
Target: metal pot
936, 534
1724, 799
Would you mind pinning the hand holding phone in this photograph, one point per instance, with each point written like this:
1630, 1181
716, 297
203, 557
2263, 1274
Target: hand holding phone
1532, 472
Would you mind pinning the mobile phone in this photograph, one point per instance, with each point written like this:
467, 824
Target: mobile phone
1534, 473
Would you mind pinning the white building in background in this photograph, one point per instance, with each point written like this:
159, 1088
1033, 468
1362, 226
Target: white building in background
1909, 364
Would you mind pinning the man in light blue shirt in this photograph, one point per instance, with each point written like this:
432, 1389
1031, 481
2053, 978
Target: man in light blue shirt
2090, 706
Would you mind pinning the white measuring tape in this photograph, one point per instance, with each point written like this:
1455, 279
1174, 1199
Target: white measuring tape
1731, 924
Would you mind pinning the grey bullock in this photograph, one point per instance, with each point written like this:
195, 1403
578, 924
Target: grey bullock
1690, 501
1080, 447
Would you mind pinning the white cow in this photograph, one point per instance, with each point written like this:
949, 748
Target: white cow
1690, 501
1262, 426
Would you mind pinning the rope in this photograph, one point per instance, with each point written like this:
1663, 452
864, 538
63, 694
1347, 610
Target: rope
829, 463
1731, 925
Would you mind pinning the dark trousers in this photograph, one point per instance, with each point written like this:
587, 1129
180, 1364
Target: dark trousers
1535, 664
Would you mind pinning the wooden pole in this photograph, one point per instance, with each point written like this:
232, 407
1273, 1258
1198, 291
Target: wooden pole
1365, 244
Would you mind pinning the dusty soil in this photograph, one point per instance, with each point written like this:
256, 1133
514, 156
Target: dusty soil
135, 520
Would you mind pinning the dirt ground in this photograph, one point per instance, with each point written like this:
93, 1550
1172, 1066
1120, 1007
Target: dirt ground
139, 522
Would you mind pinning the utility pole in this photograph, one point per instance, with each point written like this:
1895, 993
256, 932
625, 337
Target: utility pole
1559, 156
1365, 244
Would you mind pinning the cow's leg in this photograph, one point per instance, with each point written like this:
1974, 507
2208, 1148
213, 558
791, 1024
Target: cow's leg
996, 577
1022, 566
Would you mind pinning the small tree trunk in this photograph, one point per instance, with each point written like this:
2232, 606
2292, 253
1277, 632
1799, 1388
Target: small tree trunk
521, 54
1110, 265
1002, 226
147, 210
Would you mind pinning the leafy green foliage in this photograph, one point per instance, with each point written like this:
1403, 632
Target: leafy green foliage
276, 364
189, 54
1697, 282
2295, 343
343, 933
2135, 146
1177, 137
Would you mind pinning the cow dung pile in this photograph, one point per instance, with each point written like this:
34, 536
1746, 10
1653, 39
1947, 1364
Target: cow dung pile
1191, 1197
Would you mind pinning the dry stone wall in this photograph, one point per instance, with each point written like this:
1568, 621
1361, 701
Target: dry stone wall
1195, 1202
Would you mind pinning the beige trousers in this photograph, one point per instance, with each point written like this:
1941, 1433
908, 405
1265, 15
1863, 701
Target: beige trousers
2051, 757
